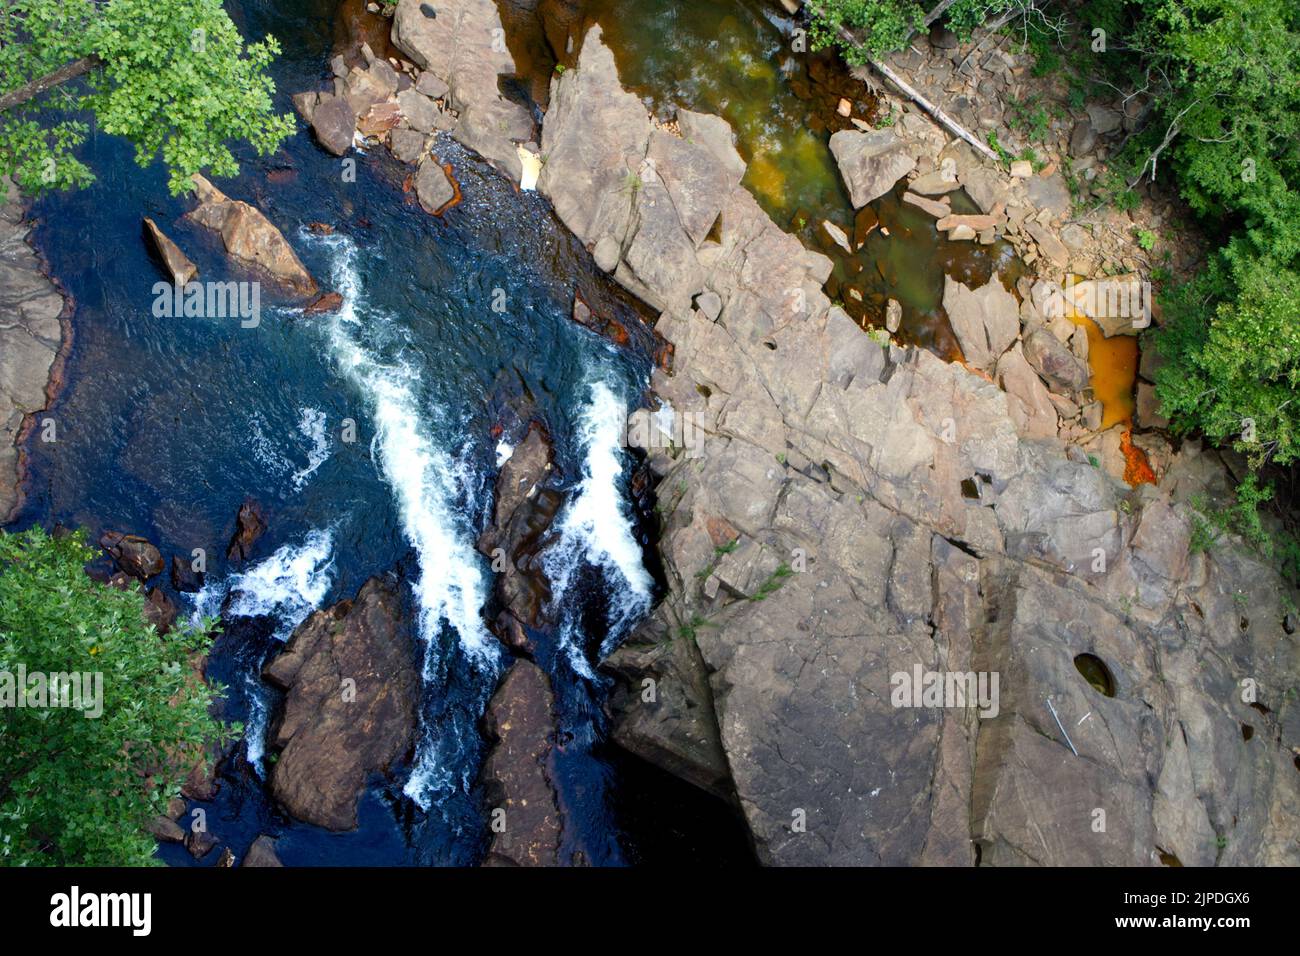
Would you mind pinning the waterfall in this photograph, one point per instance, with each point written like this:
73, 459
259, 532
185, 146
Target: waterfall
287, 587
595, 529
428, 485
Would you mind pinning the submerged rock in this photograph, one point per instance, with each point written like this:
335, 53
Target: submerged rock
351, 687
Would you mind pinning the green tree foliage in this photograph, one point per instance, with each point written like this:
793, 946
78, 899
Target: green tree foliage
171, 76
1228, 107
879, 25
76, 790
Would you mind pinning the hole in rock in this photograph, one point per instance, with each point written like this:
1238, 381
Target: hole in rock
970, 489
1168, 859
1247, 731
1096, 673
771, 345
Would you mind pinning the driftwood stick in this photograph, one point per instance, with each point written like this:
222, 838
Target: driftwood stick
942, 118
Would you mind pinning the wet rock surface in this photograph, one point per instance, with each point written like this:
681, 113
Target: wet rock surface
523, 816
351, 689
31, 338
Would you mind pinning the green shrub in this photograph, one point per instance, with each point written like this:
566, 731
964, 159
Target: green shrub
77, 789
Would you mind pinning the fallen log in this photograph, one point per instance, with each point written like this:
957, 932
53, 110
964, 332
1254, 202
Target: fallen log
942, 118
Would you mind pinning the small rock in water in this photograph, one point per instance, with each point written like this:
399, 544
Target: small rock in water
433, 186
837, 236
372, 8
845, 108
893, 315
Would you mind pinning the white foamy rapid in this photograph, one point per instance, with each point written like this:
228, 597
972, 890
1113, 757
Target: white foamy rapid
426, 483
312, 426
287, 586
596, 527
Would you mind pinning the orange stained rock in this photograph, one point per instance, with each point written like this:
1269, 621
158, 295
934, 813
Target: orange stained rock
1137, 469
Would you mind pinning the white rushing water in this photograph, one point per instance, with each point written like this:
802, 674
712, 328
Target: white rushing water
287, 586
596, 527
311, 425
426, 482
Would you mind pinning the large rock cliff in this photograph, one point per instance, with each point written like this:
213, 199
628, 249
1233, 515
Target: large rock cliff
855, 511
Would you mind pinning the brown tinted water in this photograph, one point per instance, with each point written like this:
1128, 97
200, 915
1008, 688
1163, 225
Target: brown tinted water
737, 59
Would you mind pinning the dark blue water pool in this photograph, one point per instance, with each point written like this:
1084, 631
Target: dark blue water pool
167, 424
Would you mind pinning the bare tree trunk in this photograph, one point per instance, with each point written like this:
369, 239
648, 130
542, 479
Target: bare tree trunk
49, 81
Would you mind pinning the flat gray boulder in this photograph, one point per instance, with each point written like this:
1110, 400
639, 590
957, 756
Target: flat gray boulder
870, 163
986, 320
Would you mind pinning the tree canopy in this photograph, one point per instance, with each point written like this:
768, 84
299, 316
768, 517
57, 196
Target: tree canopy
78, 789
174, 77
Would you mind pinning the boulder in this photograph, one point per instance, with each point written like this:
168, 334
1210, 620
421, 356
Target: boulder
334, 123
351, 688
183, 576
937, 209
159, 610
1147, 413
249, 237
433, 187
1118, 304
985, 321
175, 263
262, 853
418, 111
524, 510
133, 554
250, 524
165, 830
1028, 401
870, 162
520, 721
407, 145
1058, 366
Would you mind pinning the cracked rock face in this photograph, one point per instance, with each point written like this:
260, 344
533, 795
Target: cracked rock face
31, 335
460, 48
861, 512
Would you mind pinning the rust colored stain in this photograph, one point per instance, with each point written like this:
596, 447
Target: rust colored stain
1137, 468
